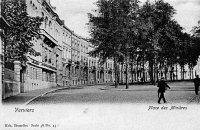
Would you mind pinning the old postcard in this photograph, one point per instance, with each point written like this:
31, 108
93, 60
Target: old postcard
99, 64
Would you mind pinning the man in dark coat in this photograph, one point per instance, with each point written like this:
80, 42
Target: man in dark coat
196, 84
161, 90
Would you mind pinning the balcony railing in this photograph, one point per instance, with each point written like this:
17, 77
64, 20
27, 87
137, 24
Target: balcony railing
48, 37
49, 66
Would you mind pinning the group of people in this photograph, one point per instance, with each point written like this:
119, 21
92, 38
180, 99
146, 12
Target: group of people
162, 87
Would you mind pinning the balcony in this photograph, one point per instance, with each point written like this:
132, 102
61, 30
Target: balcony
49, 66
35, 62
48, 38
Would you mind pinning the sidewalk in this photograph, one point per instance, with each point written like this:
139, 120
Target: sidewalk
27, 97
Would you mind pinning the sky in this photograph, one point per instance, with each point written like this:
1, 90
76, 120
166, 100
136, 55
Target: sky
74, 13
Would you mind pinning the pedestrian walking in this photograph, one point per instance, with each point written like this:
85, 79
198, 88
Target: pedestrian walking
196, 84
162, 86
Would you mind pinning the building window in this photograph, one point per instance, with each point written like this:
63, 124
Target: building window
57, 33
45, 55
36, 74
50, 61
30, 73
43, 22
46, 22
50, 27
66, 38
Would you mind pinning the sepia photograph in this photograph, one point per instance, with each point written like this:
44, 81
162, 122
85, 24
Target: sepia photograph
99, 64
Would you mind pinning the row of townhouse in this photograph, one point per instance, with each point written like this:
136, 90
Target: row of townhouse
140, 72
64, 59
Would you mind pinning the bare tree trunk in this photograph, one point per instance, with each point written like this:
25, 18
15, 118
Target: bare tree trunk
183, 72
157, 71
171, 72
137, 70
127, 75
151, 72
116, 72
176, 71
143, 71
122, 72
132, 72
192, 72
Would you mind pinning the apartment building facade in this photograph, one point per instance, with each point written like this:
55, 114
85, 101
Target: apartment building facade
46, 70
66, 56
64, 59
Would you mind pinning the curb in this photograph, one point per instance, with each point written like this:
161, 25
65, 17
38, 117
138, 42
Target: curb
51, 91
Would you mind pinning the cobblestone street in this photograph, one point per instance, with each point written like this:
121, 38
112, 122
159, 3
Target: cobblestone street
180, 92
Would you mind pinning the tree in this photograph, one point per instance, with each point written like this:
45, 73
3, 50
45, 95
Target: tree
111, 31
160, 36
193, 47
196, 30
23, 29
102, 32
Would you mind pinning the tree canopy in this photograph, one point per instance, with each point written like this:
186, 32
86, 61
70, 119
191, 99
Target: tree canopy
112, 29
196, 30
109, 26
23, 28
127, 31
